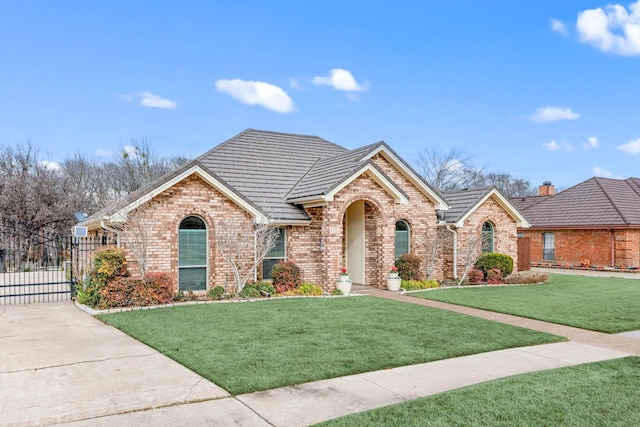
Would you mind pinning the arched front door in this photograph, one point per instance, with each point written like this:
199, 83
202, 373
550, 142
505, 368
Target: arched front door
355, 240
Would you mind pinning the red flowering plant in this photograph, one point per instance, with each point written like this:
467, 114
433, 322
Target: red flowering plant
394, 269
343, 271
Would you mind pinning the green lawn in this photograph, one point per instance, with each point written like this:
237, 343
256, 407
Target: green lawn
596, 303
595, 394
245, 347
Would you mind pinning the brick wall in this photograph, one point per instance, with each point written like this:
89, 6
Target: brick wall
575, 246
505, 239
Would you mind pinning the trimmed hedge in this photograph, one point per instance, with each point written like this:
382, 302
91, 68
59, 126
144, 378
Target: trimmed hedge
502, 262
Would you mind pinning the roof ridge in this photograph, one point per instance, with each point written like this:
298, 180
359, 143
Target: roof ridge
301, 178
597, 180
633, 184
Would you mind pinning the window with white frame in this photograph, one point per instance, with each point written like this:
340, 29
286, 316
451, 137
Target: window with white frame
487, 237
192, 254
402, 239
548, 246
276, 254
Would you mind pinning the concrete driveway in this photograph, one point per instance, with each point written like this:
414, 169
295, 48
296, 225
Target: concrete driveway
60, 365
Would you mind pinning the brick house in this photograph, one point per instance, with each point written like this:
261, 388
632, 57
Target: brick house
335, 207
596, 221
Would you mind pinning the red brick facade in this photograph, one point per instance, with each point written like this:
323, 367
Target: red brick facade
603, 247
319, 247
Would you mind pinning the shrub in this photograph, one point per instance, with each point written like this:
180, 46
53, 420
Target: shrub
309, 289
249, 291
527, 277
494, 276
108, 264
217, 292
336, 292
494, 260
475, 276
254, 290
414, 285
180, 296
285, 276
124, 291
409, 267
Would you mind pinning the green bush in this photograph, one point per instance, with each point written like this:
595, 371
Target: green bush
414, 285
253, 290
336, 292
109, 264
309, 289
502, 262
217, 292
409, 267
285, 276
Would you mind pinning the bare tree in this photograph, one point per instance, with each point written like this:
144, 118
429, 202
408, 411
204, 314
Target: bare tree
469, 253
244, 247
433, 242
455, 170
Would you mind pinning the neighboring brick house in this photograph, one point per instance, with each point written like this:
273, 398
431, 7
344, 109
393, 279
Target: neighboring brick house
595, 222
358, 209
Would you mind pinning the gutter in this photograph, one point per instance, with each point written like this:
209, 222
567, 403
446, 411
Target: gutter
113, 230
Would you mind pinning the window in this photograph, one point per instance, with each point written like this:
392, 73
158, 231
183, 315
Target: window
487, 237
277, 253
192, 254
402, 238
548, 246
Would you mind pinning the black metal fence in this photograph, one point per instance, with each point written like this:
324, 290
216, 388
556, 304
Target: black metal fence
40, 265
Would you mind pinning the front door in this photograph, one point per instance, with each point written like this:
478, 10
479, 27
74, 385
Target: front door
355, 242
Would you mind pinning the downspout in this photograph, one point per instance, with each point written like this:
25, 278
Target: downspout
455, 251
113, 230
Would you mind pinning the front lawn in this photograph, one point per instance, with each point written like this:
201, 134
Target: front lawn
245, 347
596, 303
595, 394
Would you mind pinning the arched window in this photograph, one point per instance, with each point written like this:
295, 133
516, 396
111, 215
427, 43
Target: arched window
192, 254
402, 238
487, 237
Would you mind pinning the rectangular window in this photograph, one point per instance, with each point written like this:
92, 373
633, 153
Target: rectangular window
548, 246
276, 254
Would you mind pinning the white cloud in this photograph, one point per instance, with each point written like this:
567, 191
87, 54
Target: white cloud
612, 29
249, 92
551, 146
558, 26
103, 153
50, 165
294, 83
631, 147
598, 171
553, 114
562, 145
130, 151
341, 79
592, 142
154, 101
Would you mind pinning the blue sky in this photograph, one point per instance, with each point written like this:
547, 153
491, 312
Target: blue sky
543, 90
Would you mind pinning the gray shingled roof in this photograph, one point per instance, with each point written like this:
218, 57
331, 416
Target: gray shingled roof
461, 202
596, 202
268, 169
264, 166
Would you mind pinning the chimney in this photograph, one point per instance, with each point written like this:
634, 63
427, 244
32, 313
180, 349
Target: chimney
546, 189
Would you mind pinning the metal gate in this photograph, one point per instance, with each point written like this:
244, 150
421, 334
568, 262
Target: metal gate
35, 266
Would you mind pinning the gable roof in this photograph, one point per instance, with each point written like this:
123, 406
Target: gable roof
594, 203
270, 174
464, 202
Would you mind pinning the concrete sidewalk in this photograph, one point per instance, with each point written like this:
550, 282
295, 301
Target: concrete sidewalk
60, 366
